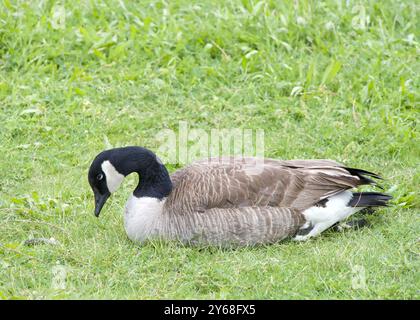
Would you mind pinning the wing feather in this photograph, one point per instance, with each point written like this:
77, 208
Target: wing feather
251, 182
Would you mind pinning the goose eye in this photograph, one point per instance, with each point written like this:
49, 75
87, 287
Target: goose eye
99, 177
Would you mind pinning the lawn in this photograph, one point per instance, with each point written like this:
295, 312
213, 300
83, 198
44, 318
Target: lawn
323, 79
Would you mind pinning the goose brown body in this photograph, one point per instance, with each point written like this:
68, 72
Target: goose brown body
247, 200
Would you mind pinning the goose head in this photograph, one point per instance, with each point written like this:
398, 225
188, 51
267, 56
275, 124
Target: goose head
110, 167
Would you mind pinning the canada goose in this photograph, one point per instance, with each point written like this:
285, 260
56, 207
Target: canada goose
231, 201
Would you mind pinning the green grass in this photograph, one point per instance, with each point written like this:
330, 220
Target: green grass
334, 79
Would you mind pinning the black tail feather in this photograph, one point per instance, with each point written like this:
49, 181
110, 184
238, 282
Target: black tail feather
369, 199
360, 172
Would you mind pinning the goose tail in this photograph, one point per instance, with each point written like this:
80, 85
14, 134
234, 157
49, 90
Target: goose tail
365, 176
369, 199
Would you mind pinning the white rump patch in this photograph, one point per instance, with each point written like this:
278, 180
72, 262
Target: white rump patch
113, 177
142, 216
336, 209
321, 218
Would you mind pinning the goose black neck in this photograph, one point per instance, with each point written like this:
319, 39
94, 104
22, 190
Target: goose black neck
154, 180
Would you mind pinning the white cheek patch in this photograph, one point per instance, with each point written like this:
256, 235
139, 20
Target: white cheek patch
113, 177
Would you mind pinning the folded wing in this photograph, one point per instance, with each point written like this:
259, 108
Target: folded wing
252, 182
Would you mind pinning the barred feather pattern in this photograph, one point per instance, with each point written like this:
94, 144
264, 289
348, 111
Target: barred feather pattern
231, 226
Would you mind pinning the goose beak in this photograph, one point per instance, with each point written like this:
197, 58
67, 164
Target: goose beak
100, 200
